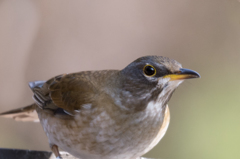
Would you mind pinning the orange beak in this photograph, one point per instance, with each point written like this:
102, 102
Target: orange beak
183, 74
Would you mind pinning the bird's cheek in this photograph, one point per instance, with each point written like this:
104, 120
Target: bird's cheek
163, 81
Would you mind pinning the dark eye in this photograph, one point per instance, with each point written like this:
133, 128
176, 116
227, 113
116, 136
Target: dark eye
149, 70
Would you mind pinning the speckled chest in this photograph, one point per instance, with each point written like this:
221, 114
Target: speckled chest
97, 134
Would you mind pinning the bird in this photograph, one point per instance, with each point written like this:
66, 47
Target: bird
106, 114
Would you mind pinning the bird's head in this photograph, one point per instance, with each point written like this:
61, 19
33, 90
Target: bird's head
151, 78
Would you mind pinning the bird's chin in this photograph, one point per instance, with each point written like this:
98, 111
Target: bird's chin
168, 83
175, 83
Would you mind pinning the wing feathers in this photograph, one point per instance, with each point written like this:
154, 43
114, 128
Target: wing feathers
71, 91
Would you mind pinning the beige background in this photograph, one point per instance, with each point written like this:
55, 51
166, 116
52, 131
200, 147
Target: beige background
41, 39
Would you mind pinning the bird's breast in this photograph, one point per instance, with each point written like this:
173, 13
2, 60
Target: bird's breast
108, 133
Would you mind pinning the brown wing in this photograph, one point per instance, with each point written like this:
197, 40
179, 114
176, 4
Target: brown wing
71, 91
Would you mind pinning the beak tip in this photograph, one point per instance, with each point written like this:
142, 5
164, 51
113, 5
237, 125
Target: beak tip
197, 75
193, 74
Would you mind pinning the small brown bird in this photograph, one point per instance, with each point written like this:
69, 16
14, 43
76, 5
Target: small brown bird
109, 114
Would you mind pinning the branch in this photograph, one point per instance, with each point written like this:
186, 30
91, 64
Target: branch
27, 154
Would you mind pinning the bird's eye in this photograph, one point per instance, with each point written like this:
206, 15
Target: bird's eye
149, 70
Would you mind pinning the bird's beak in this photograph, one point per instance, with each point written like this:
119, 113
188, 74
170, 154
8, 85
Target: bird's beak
182, 74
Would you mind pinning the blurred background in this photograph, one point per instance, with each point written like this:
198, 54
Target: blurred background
41, 39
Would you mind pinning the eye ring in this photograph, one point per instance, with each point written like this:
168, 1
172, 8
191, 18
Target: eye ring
149, 70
